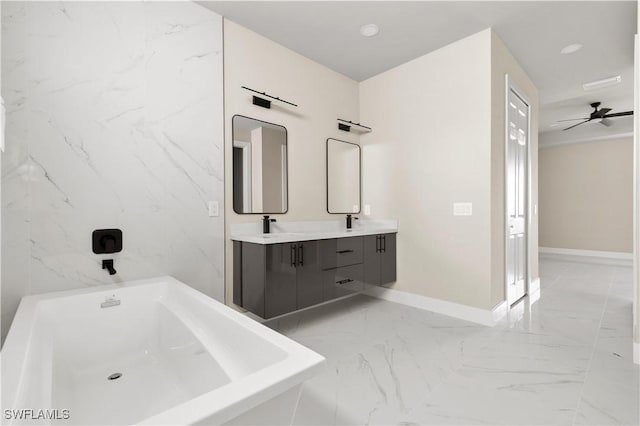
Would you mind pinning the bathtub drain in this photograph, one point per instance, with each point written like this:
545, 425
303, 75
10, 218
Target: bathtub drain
114, 376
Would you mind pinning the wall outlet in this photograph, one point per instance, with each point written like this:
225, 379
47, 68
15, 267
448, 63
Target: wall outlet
462, 209
367, 210
214, 209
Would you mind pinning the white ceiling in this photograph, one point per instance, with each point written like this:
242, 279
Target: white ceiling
534, 31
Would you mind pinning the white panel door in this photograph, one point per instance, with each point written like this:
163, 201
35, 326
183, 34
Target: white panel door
516, 196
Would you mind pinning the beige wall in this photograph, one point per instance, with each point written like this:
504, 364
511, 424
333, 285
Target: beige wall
431, 147
438, 139
503, 63
586, 194
322, 95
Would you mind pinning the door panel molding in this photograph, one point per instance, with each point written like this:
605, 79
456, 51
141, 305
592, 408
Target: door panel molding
513, 224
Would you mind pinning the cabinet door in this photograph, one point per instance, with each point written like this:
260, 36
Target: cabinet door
388, 259
372, 259
309, 278
280, 283
237, 273
252, 257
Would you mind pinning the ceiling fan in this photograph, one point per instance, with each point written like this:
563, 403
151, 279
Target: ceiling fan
598, 114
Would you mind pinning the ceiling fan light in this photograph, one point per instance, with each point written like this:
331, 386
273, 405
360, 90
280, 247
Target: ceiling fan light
599, 84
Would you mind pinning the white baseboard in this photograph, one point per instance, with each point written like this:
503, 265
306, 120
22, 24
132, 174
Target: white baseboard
589, 256
499, 312
456, 310
534, 286
636, 352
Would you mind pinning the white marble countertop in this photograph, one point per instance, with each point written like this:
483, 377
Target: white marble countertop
287, 232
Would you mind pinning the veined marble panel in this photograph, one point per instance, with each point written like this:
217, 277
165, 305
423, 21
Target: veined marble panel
115, 120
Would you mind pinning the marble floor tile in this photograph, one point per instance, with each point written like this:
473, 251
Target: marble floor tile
562, 359
502, 398
611, 390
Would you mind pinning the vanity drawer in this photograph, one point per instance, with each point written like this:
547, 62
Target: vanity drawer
341, 252
342, 281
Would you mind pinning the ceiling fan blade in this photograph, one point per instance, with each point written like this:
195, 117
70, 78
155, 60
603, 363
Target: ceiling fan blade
618, 114
603, 112
573, 119
575, 125
606, 122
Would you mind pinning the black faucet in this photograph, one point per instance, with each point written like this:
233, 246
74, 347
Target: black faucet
266, 224
108, 265
349, 221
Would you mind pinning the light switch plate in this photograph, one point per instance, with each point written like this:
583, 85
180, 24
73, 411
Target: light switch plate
214, 209
367, 209
462, 209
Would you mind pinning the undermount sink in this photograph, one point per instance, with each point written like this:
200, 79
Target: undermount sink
280, 234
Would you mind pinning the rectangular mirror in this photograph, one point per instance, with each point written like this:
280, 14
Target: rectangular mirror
259, 166
343, 177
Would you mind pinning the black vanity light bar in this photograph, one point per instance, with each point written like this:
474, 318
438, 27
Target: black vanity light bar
346, 126
265, 103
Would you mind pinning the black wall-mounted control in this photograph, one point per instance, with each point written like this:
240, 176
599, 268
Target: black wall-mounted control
107, 241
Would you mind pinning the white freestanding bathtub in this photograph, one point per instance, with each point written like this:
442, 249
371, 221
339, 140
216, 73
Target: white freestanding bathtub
147, 352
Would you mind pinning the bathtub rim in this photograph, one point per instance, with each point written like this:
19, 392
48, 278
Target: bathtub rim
218, 405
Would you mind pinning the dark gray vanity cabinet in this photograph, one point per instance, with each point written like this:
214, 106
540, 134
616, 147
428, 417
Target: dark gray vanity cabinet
380, 259
277, 278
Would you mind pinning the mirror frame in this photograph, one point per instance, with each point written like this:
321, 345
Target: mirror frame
286, 135
359, 176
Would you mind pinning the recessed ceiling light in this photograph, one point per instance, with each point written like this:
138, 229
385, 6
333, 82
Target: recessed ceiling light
369, 30
572, 48
599, 84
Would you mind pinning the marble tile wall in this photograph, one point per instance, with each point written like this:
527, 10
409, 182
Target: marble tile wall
114, 120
